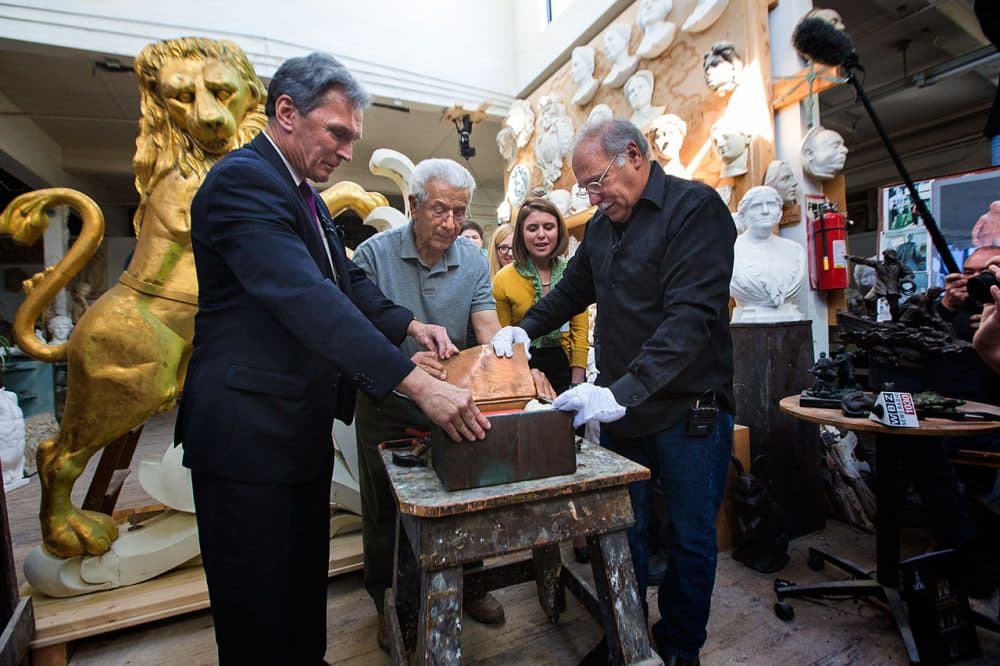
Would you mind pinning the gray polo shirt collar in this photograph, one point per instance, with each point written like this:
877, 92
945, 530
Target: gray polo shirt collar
450, 259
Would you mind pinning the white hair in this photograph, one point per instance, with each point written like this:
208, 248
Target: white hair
447, 171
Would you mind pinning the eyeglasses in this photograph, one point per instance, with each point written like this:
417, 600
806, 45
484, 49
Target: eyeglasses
505, 249
597, 186
440, 212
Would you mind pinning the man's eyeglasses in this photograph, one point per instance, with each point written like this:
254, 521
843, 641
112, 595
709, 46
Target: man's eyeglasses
505, 249
597, 186
440, 212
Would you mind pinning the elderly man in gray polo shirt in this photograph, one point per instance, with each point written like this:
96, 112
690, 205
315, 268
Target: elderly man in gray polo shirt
444, 279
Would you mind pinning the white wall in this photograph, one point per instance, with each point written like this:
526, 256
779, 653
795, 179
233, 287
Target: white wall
435, 52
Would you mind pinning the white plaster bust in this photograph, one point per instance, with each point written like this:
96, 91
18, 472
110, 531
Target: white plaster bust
11, 441
658, 33
666, 134
723, 68
555, 136
705, 13
768, 270
60, 326
731, 144
521, 120
639, 93
582, 66
823, 153
507, 145
780, 176
616, 49
518, 185
600, 113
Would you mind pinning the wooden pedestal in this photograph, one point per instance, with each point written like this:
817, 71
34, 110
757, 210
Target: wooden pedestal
771, 362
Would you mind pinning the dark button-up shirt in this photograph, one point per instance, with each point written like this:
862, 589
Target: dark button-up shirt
662, 293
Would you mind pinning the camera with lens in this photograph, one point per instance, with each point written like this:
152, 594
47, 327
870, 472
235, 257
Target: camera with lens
979, 287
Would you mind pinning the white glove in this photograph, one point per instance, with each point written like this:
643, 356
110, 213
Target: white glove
507, 337
591, 403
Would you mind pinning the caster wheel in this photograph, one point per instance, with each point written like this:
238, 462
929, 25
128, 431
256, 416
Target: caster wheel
815, 562
784, 611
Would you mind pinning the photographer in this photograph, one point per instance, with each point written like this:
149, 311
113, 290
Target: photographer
987, 337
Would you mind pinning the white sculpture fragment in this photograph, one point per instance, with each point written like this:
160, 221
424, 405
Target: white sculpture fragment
705, 13
518, 185
658, 33
780, 176
723, 68
623, 64
666, 134
507, 145
731, 143
555, 136
600, 113
823, 153
582, 67
768, 270
521, 120
639, 93
11, 441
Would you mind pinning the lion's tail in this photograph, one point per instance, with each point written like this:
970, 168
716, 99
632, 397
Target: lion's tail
26, 219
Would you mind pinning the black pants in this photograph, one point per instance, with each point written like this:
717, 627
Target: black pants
266, 552
553, 362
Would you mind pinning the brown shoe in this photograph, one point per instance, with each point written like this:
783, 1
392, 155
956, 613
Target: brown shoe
484, 608
382, 634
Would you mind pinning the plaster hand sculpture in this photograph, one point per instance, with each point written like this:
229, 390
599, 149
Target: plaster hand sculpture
507, 145
521, 120
582, 67
666, 134
823, 153
723, 68
986, 231
658, 33
705, 13
780, 176
768, 270
555, 136
623, 64
518, 185
11, 441
731, 144
600, 113
639, 93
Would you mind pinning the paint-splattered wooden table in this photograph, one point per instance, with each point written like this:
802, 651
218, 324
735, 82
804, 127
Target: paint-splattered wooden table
439, 531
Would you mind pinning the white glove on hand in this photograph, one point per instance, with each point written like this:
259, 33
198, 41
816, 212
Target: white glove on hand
507, 337
591, 403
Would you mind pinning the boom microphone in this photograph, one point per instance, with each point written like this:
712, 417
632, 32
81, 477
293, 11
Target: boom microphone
819, 41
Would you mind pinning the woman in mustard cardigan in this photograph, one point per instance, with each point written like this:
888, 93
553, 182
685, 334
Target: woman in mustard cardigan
540, 239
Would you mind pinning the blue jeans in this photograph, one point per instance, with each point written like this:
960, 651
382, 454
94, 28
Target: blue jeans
692, 472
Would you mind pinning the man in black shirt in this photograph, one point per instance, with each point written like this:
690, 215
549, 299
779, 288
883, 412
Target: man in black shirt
657, 258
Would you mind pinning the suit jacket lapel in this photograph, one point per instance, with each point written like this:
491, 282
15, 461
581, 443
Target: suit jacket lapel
306, 226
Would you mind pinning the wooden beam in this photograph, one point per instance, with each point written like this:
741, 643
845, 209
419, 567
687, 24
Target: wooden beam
795, 88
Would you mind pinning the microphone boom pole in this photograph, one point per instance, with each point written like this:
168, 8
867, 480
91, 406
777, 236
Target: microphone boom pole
929, 222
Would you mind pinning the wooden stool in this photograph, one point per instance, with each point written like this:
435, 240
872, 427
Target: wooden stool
437, 532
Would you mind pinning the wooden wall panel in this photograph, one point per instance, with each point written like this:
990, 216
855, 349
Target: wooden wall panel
680, 87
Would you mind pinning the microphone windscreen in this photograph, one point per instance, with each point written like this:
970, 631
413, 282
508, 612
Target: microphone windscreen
819, 41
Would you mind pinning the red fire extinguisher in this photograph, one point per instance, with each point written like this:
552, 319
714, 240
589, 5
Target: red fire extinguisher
827, 266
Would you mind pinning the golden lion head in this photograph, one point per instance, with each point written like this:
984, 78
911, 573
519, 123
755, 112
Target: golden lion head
199, 100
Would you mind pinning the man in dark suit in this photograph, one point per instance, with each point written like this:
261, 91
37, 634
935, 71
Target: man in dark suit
286, 329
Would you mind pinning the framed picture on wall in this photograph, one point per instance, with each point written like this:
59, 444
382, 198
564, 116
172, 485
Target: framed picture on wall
961, 205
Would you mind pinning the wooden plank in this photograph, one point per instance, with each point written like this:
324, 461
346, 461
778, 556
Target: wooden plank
52, 655
795, 88
16, 635
112, 468
175, 593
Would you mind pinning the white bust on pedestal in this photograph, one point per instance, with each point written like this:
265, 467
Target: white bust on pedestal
768, 270
639, 93
582, 67
731, 142
658, 33
666, 135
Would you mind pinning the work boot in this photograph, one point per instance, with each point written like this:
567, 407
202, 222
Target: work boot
382, 634
484, 608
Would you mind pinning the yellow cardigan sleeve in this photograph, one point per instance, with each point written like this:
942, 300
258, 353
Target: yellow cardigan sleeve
579, 327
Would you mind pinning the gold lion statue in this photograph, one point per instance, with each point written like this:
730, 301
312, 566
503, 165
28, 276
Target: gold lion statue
128, 354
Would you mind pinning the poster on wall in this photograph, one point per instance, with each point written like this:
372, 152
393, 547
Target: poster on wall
902, 230
961, 206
